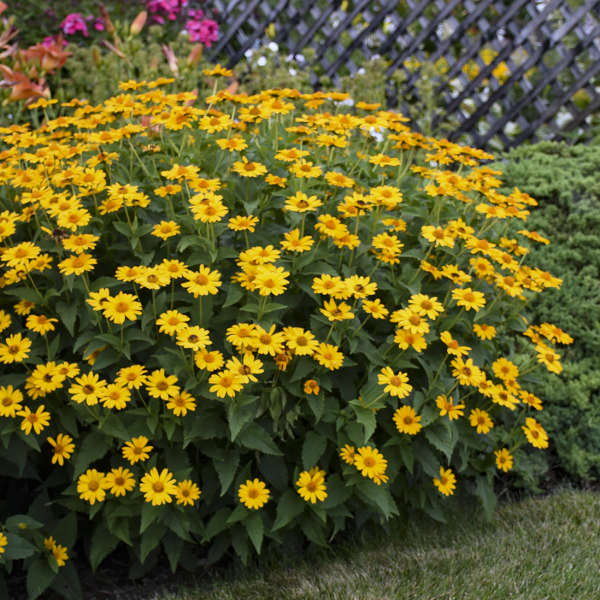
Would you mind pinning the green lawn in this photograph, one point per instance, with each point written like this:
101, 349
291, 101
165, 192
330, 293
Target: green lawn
535, 549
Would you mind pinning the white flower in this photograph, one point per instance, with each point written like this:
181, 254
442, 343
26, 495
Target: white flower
375, 133
347, 102
248, 54
293, 72
262, 61
273, 46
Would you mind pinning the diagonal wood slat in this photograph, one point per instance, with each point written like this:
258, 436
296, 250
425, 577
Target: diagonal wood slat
514, 66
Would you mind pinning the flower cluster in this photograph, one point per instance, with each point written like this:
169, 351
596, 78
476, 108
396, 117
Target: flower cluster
253, 314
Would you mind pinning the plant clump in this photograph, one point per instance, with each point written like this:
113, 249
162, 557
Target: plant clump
259, 318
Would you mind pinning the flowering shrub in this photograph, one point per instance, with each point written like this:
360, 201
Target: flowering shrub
256, 319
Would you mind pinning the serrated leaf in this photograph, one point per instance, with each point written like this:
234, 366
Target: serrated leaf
68, 315
312, 449
367, 418
253, 436
94, 447
103, 542
290, 505
39, 577
256, 529
442, 436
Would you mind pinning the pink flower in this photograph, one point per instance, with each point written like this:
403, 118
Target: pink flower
74, 23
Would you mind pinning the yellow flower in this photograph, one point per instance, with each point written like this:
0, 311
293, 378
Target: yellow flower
254, 494
446, 482
311, 486
271, 280
160, 385
165, 229
447, 407
137, 449
59, 552
535, 433
396, 384
88, 388
470, 299
158, 488
3, 543
504, 459
202, 283
187, 492
302, 203
329, 356
77, 264
92, 485
294, 243
120, 481
248, 169
483, 331
311, 387
407, 420
15, 349
181, 403
243, 223
225, 383
37, 420
122, 306
195, 338
371, 463
171, 322
63, 448
480, 420
336, 312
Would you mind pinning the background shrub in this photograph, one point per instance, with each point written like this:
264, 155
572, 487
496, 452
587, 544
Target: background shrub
564, 180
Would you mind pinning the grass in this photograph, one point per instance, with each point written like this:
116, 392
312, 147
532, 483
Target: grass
536, 549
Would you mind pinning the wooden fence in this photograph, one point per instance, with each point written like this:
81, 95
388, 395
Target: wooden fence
516, 70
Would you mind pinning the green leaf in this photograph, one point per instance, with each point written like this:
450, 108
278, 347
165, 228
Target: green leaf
484, 489
217, 523
17, 523
304, 367
39, 577
151, 538
113, 425
442, 435
17, 547
379, 496
102, 544
234, 294
255, 528
239, 540
312, 449
317, 405
68, 315
238, 415
94, 447
24, 293
256, 438
337, 492
226, 470
313, 530
290, 505
149, 514
173, 546
67, 583
366, 417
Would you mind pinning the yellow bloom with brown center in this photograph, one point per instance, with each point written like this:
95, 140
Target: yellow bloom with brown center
37, 420
158, 488
247, 168
254, 494
92, 486
302, 203
446, 482
407, 420
160, 385
137, 449
396, 384
166, 229
187, 492
122, 306
119, 481
203, 282
77, 264
63, 448
40, 323
225, 383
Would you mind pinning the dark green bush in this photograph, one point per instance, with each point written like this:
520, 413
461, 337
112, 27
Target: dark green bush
564, 180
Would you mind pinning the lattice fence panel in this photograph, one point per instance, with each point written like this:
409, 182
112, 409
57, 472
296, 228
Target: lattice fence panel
517, 69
